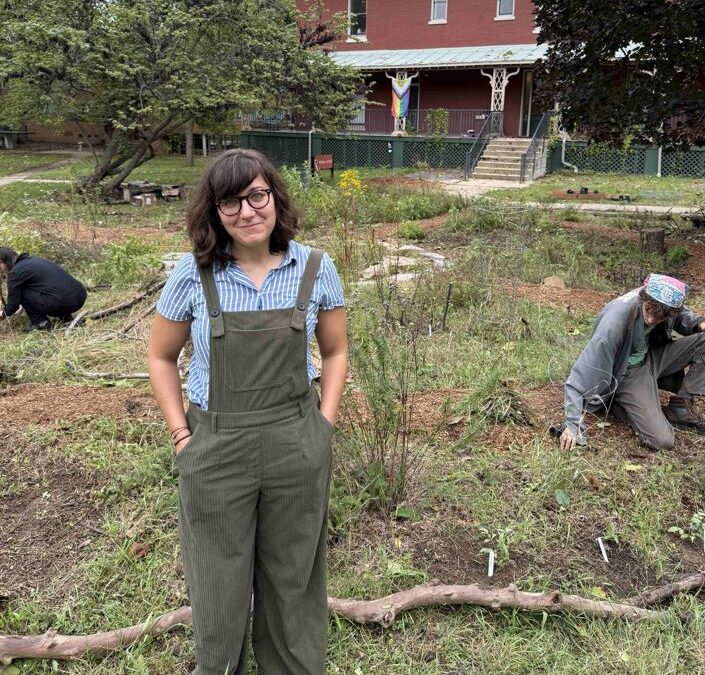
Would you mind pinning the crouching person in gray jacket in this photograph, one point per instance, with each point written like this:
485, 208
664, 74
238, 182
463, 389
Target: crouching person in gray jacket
631, 355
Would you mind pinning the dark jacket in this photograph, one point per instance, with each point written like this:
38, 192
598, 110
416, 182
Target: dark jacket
41, 276
600, 368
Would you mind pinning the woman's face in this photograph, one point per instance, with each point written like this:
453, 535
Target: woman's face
250, 215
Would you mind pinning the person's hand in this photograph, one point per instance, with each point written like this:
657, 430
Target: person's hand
701, 326
567, 440
182, 443
2, 314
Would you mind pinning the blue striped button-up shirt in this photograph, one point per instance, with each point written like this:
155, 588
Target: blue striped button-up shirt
183, 299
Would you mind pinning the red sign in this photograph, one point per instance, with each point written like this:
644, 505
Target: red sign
323, 162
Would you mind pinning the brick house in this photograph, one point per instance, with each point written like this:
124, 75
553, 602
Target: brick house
471, 56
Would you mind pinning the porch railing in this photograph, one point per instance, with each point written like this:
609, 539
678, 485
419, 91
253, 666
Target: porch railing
461, 122
492, 127
465, 122
533, 161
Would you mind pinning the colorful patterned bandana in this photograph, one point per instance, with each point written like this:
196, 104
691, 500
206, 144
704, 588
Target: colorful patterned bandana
666, 290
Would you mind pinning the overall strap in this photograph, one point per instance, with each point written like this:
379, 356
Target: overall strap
298, 316
215, 315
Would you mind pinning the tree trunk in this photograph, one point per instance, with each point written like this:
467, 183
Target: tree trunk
189, 145
122, 155
653, 240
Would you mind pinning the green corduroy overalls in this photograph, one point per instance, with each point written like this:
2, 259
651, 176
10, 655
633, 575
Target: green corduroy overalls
253, 484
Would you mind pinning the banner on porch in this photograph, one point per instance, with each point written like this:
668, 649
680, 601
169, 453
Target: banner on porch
401, 93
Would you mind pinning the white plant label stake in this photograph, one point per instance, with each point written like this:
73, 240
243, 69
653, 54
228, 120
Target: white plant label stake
490, 564
602, 549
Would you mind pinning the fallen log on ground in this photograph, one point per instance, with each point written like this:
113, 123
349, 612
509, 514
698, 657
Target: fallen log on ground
382, 611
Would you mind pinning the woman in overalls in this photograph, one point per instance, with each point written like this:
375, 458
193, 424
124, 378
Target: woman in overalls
254, 449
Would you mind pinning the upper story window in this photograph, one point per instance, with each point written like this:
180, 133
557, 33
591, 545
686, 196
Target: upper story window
357, 19
505, 9
439, 11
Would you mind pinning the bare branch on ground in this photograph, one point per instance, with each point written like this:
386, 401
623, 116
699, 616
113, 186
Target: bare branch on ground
382, 611
102, 313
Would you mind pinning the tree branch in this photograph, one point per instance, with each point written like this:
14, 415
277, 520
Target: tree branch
383, 611
101, 313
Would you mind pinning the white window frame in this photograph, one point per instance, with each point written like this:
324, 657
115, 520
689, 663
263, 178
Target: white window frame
361, 37
358, 119
505, 17
445, 17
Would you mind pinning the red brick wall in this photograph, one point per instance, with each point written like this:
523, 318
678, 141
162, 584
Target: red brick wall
67, 133
404, 24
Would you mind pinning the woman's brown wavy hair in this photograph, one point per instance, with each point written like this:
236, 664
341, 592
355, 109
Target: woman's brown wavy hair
230, 173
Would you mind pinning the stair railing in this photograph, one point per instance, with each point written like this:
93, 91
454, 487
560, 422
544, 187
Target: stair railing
492, 127
535, 155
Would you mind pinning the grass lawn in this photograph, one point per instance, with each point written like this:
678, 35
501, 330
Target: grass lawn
665, 191
465, 365
15, 161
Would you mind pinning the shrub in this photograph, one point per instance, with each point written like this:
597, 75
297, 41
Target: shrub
411, 230
128, 263
677, 256
21, 238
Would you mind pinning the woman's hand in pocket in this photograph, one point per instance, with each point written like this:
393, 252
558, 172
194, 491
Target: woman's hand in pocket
182, 443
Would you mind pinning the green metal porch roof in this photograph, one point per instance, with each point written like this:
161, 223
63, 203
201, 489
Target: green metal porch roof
441, 57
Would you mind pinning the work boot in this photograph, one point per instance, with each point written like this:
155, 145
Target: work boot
42, 325
679, 412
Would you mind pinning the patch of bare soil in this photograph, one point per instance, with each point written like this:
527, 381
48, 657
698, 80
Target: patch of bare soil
387, 181
432, 412
43, 404
385, 231
605, 230
112, 235
582, 300
48, 515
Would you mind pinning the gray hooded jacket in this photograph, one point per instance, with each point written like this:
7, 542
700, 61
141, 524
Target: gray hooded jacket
600, 368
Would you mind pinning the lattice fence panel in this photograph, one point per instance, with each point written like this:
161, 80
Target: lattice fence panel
606, 160
351, 151
689, 163
448, 154
281, 150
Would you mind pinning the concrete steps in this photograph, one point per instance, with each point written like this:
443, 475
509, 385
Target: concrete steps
501, 159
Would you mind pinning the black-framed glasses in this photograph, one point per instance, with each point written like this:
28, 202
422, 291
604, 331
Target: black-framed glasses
257, 199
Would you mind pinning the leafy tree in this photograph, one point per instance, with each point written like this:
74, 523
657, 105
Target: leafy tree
634, 68
142, 69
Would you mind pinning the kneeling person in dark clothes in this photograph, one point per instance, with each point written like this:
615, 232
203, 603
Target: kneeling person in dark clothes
41, 287
630, 356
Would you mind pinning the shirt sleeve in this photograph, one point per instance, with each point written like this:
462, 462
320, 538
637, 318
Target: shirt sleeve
176, 300
17, 277
331, 289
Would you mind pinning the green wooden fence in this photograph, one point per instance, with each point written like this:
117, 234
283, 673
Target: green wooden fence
637, 159
292, 149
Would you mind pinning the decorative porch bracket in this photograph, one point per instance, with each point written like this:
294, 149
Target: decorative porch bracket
499, 78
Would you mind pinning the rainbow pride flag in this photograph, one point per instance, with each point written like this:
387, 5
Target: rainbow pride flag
401, 93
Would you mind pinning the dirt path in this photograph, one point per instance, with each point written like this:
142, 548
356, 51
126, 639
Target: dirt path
27, 176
